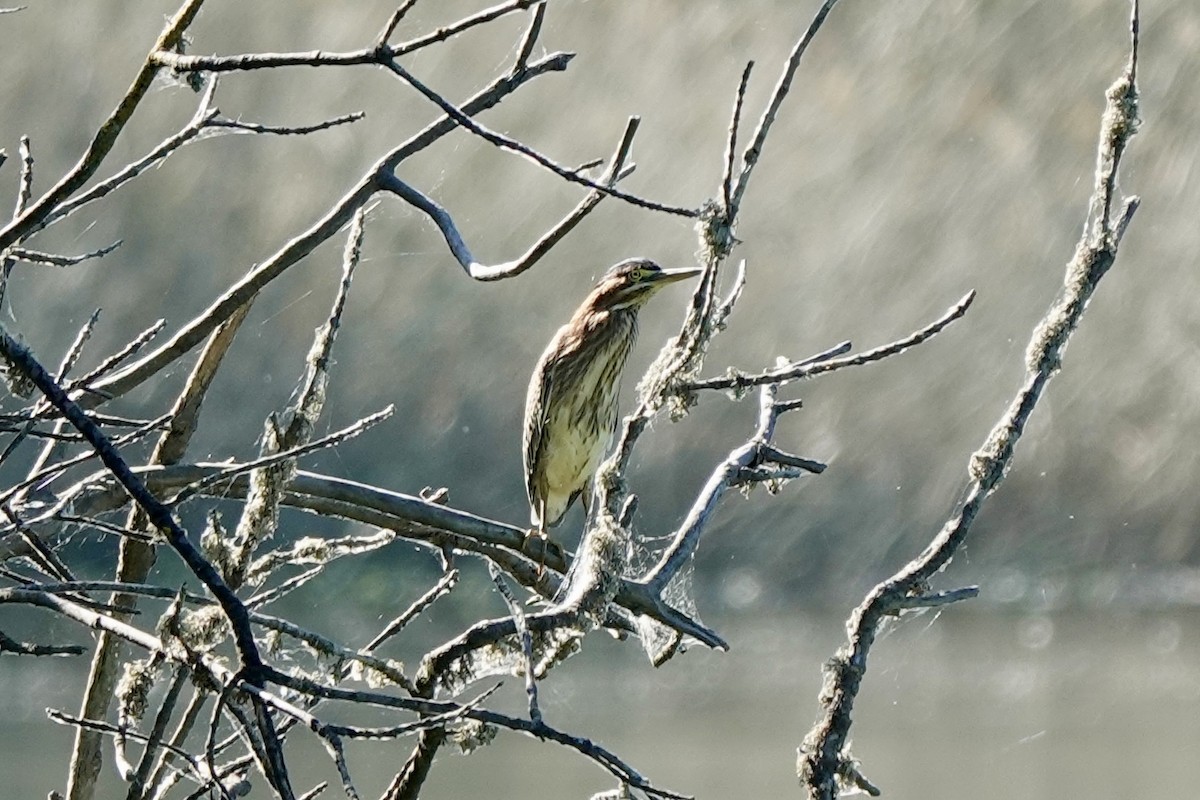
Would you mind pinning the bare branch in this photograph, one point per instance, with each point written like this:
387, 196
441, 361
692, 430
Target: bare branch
523, 635
320, 788
156, 740
512, 145
750, 455
466, 23
282, 456
443, 587
409, 516
531, 36
55, 260
824, 760
393, 21
106, 135
137, 556
20, 357
204, 115
283, 444
117, 358
596, 753
42, 476
754, 151
936, 599
115, 730
285, 130
241, 295
731, 144
11, 645
282, 590
508, 269
25, 192
380, 53
71, 358
43, 556
811, 367
1119, 125
722, 312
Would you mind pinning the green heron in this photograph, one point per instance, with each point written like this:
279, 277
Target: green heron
571, 407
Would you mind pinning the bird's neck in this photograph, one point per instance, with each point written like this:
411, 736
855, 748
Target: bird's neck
623, 320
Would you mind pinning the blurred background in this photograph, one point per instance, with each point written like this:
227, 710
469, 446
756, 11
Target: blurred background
927, 149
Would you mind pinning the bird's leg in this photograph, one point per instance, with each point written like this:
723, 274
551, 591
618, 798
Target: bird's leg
540, 533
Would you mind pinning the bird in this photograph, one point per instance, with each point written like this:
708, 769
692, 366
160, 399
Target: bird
571, 404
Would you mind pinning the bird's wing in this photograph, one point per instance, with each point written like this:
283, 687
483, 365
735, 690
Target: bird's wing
537, 404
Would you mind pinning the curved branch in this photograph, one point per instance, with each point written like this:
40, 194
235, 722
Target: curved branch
508, 269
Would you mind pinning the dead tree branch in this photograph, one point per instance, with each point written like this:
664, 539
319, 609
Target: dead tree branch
824, 765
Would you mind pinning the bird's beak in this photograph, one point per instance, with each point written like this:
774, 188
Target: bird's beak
672, 275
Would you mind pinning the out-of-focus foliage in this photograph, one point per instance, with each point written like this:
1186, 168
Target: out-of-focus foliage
929, 148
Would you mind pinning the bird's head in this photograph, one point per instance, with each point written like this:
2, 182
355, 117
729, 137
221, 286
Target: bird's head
628, 285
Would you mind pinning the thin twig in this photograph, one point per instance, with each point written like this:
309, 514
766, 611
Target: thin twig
409, 516
481, 17
76, 349
116, 359
531, 36
443, 587
393, 21
11, 645
751, 156
156, 740
722, 311
70, 358
379, 53
292, 453
55, 260
43, 476
105, 525
204, 115
282, 590
117, 730
508, 269
46, 558
731, 143
808, 368
525, 638
286, 130
25, 190
24, 193
596, 753
512, 145
159, 782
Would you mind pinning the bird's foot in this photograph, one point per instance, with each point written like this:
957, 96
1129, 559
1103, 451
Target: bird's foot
538, 533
